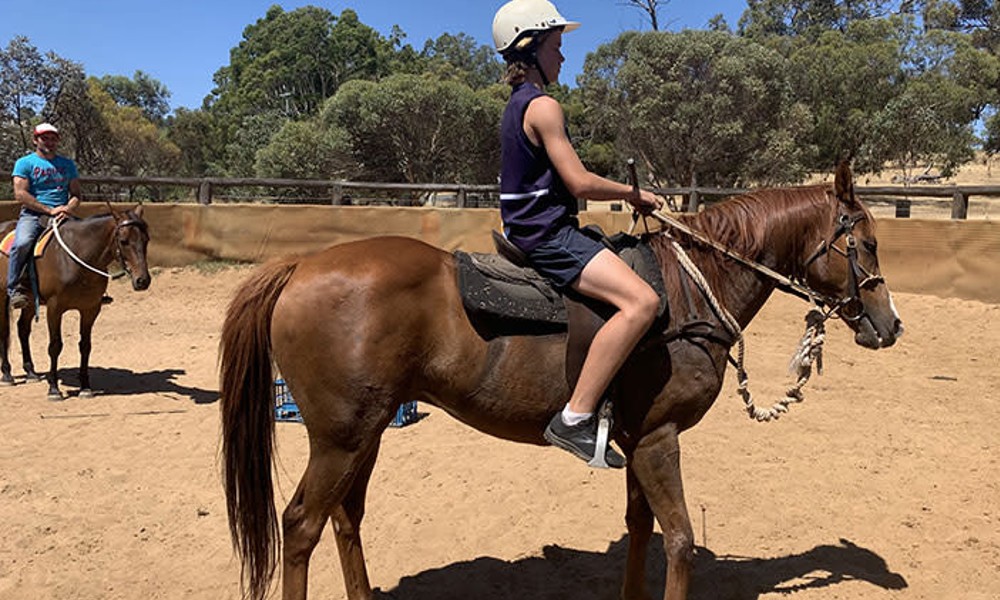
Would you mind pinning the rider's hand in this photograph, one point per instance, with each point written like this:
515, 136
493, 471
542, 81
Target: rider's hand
647, 202
60, 213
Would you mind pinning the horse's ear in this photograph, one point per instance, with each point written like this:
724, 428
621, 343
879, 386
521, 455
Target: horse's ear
843, 184
111, 210
138, 210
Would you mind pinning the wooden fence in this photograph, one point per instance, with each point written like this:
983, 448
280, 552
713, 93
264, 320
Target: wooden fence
336, 192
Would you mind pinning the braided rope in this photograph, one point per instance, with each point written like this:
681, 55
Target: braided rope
809, 351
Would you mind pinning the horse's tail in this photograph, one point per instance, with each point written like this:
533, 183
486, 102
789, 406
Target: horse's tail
247, 404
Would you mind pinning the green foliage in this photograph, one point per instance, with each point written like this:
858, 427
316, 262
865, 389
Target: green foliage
459, 57
142, 91
419, 129
306, 150
703, 108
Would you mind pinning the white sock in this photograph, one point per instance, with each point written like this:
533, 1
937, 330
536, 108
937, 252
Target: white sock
572, 418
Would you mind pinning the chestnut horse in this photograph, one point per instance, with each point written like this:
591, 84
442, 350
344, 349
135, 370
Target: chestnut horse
359, 328
65, 284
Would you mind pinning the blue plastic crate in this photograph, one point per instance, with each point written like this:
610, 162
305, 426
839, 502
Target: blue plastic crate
285, 408
405, 414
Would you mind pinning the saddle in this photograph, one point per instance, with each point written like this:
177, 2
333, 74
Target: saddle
503, 296
43, 241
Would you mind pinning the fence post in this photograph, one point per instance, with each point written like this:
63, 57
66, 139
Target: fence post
460, 198
959, 205
903, 208
205, 192
694, 199
336, 194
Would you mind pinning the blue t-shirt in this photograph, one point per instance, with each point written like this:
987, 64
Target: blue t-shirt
534, 202
48, 180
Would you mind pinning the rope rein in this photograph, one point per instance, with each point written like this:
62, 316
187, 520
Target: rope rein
810, 348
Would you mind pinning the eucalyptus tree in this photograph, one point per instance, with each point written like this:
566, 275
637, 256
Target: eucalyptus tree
141, 91
698, 107
460, 57
410, 128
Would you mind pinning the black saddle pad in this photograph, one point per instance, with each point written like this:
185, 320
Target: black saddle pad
503, 299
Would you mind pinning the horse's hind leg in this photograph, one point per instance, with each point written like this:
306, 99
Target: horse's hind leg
346, 521
24, 337
54, 318
657, 467
639, 520
327, 483
6, 378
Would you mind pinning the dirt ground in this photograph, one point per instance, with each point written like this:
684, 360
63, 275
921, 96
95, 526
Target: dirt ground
884, 484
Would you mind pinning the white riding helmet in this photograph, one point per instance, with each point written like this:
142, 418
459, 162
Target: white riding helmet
518, 17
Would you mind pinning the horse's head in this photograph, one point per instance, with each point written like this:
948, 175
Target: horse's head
843, 266
131, 238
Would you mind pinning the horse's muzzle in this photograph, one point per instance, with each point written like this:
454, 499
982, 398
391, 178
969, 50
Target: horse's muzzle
141, 283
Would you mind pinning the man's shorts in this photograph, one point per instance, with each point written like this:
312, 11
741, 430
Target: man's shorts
563, 255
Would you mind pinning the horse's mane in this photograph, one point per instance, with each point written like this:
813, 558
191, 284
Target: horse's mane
746, 224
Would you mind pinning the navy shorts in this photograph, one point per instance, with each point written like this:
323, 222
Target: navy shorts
563, 255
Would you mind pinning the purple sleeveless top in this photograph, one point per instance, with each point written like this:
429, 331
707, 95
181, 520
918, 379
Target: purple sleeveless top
534, 201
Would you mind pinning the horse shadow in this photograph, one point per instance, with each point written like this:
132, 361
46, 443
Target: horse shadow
581, 575
123, 382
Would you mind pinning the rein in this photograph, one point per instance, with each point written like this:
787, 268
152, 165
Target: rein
809, 351
82, 263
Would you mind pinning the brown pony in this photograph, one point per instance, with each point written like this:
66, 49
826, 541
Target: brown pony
64, 284
359, 328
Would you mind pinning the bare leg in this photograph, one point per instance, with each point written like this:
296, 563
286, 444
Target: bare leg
639, 519
607, 278
657, 467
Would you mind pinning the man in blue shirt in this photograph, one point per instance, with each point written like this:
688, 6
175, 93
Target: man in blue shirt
46, 185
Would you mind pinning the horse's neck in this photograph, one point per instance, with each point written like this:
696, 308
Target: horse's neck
90, 239
744, 290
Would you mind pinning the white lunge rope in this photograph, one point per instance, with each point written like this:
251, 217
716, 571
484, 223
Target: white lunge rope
55, 226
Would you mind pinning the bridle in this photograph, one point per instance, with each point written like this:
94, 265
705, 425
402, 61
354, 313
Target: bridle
849, 308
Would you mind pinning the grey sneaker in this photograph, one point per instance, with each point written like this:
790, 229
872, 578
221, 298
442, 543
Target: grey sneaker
19, 300
580, 440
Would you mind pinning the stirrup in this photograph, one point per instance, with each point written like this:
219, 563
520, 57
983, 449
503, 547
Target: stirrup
604, 422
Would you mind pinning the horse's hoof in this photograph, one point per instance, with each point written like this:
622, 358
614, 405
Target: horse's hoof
7, 382
55, 396
86, 394
32, 377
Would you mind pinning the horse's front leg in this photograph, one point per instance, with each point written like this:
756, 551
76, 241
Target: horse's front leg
639, 520
657, 467
87, 319
24, 337
54, 318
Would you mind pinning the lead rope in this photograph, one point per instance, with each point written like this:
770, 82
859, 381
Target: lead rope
809, 350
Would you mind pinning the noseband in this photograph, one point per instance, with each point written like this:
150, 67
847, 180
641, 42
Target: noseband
849, 308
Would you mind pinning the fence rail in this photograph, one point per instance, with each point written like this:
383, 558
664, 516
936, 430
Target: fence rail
337, 192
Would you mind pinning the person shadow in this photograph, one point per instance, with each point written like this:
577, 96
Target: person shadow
123, 382
565, 573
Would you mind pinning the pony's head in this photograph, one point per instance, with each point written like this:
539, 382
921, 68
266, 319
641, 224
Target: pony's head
843, 266
131, 238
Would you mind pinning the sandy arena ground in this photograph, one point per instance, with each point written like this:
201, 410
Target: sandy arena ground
884, 484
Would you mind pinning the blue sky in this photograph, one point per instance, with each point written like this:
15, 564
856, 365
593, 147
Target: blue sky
182, 43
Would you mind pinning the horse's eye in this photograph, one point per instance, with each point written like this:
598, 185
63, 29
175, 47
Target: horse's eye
870, 245
125, 242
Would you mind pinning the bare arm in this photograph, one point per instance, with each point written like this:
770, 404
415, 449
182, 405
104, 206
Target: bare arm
23, 195
543, 123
